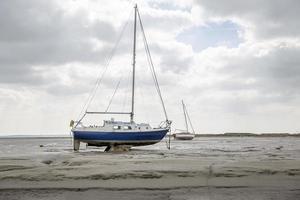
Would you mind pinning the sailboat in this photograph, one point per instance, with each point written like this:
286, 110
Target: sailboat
185, 134
123, 134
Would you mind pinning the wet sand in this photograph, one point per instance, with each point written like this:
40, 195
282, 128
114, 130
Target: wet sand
184, 172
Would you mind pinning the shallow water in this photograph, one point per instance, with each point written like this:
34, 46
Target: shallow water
218, 148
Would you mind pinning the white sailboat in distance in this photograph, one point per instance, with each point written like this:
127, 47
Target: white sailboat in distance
185, 134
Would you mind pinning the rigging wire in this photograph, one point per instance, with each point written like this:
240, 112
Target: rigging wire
101, 75
126, 96
149, 59
111, 99
187, 114
143, 103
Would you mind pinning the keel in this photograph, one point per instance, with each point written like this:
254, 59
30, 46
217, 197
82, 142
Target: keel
117, 148
76, 145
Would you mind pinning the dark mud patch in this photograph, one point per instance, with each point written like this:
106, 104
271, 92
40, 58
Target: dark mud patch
229, 175
183, 173
4, 168
142, 162
145, 175
64, 169
13, 159
47, 162
41, 177
52, 150
217, 193
235, 151
78, 163
267, 172
293, 172
272, 155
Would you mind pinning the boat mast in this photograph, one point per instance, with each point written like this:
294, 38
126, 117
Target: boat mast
185, 118
133, 64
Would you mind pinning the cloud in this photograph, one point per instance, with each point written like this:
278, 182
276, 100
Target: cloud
36, 33
276, 71
51, 53
245, 81
174, 56
47, 34
269, 19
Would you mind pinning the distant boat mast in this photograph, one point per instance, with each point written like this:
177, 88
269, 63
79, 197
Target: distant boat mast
187, 118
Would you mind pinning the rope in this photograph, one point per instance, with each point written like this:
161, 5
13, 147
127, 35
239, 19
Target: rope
149, 59
125, 96
111, 99
187, 114
101, 75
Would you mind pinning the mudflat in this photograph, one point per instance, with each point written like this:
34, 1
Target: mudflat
204, 168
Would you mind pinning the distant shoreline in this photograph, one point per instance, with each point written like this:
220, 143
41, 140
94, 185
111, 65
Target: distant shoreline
250, 135
33, 136
229, 134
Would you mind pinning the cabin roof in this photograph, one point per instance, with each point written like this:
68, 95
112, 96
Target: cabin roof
121, 123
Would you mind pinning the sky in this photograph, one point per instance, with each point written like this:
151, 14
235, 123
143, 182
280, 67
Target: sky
236, 64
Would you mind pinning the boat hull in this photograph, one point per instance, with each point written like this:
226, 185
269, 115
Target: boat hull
137, 138
184, 136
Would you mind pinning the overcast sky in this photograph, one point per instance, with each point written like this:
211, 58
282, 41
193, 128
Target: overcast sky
235, 63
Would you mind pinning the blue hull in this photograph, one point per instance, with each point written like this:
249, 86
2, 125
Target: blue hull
98, 138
